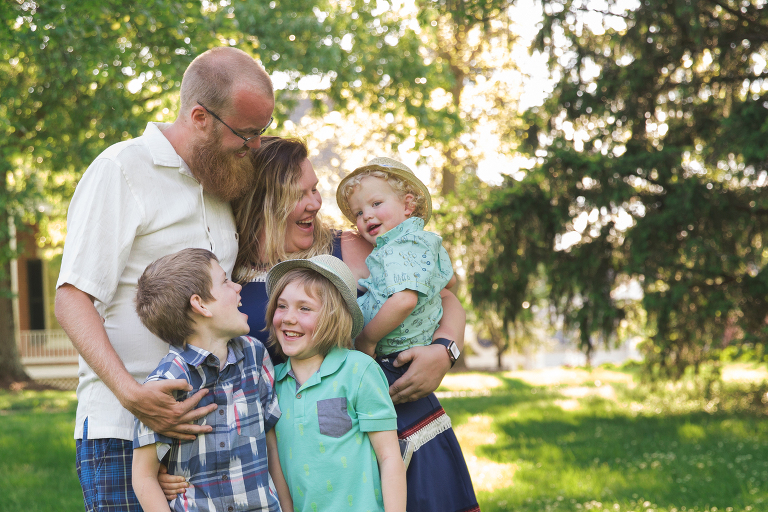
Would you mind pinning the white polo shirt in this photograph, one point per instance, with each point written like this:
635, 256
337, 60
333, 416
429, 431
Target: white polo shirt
137, 201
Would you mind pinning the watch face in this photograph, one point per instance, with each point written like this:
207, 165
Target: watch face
454, 350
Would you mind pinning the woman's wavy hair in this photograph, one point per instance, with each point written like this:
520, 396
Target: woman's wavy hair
266, 208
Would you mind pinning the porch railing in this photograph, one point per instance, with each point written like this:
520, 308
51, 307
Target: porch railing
46, 347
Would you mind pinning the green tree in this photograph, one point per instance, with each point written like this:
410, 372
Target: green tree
67, 78
651, 167
76, 77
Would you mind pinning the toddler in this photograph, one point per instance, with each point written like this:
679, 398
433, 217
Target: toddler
409, 267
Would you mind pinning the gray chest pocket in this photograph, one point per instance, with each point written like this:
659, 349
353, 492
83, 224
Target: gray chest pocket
333, 417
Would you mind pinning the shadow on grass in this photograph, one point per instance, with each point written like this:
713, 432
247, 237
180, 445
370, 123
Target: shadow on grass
602, 456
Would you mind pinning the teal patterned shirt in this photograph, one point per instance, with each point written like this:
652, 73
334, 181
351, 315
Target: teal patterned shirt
407, 258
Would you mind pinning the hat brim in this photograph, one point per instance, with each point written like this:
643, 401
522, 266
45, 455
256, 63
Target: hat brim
409, 177
349, 296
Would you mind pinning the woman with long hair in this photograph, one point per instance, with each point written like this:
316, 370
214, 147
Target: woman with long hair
278, 220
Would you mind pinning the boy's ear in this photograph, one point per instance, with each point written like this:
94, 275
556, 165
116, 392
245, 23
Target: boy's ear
410, 204
198, 306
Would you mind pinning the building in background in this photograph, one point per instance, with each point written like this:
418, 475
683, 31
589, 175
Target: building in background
44, 348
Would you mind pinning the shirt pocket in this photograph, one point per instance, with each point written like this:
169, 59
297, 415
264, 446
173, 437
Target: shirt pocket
333, 417
247, 415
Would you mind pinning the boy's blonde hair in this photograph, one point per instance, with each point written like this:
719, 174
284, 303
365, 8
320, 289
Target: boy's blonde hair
334, 326
164, 290
400, 186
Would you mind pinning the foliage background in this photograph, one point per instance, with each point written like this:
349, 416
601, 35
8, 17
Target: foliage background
645, 164
651, 167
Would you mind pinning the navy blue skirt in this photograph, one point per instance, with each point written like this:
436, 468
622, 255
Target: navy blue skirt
438, 479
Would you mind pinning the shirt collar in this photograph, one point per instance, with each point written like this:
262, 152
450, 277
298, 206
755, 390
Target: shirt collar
162, 151
407, 226
332, 362
281, 370
196, 356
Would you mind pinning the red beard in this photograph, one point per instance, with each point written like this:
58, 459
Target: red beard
220, 172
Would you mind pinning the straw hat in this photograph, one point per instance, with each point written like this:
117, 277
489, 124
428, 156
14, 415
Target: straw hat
389, 166
336, 271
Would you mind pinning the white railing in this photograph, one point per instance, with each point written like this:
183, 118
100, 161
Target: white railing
46, 347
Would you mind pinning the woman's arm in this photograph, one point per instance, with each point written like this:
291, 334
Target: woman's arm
454, 319
391, 468
430, 364
393, 312
354, 250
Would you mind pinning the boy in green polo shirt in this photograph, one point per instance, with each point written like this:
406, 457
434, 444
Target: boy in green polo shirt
337, 438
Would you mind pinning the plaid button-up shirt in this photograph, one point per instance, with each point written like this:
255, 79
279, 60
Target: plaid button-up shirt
226, 468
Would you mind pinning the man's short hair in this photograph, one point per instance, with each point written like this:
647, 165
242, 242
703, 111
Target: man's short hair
212, 77
164, 290
334, 326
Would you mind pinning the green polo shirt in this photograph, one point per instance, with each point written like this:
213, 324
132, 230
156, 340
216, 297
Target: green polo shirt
322, 439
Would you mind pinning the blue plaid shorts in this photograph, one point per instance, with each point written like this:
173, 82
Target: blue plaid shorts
104, 469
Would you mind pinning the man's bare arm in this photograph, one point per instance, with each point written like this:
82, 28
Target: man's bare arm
152, 403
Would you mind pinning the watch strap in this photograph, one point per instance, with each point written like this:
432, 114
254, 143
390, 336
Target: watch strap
451, 347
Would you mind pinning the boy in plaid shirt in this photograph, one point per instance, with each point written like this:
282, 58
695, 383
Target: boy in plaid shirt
186, 299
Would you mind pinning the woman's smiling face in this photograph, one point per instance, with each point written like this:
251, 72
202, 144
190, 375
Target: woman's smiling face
300, 228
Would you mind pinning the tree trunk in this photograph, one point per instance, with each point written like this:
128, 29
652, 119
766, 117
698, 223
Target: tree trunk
449, 182
11, 369
588, 354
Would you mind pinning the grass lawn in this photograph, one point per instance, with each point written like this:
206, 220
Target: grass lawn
37, 452
576, 442
565, 440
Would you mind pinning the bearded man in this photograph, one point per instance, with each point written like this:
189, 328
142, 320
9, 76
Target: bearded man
139, 200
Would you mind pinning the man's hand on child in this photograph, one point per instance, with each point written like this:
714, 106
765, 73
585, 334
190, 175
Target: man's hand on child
172, 485
156, 407
428, 367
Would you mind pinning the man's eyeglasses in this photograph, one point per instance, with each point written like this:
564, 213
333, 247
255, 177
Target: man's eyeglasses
246, 140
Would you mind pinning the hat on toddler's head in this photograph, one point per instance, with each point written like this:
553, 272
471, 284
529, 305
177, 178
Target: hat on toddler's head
389, 166
333, 269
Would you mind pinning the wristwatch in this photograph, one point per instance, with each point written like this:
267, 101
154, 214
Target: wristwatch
451, 347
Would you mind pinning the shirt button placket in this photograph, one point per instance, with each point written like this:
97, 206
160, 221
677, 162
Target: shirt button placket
221, 429
298, 406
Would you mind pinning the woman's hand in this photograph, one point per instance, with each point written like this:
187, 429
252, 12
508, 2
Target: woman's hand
428, 367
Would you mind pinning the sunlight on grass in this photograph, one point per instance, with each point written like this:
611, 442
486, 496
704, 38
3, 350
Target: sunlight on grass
587, 441
534, 441
38, 401
569, 376
470, 382
486, 475
744, 372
